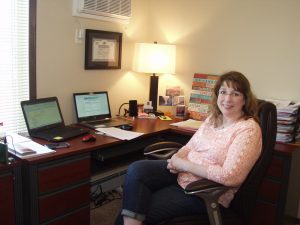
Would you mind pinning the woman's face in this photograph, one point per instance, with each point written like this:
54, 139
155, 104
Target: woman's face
230, 102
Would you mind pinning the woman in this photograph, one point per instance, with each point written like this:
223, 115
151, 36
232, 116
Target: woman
224, 149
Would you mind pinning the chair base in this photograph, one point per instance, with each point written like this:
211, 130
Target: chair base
229, 219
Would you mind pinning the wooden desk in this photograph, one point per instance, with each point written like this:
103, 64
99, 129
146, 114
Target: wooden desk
270, 207
11, 194
57, 185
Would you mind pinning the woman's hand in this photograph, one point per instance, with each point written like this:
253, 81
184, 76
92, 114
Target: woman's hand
182, 153
181, 164
178, 163
171, 167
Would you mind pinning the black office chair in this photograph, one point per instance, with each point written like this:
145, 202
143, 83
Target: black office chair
241, 207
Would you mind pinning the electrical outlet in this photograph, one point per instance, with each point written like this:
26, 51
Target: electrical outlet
79, 35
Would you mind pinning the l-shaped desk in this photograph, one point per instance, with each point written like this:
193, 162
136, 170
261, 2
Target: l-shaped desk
56, 186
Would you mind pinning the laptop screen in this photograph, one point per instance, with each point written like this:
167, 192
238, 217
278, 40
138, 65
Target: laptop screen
92, 106
42, 113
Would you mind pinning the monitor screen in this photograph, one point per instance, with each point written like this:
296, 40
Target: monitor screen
42, 114
92, 106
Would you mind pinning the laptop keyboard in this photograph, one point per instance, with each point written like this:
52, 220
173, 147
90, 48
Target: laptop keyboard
64, 131
100, 122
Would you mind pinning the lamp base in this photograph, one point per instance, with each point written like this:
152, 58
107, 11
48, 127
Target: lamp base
153, 91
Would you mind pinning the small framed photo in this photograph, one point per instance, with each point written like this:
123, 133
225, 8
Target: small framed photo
102, 49
165, 100
178, 100
173, 91
180, 110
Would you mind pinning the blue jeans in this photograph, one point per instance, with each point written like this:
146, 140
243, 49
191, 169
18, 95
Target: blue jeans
151, 194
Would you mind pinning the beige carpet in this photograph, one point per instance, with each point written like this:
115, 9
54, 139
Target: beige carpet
105, 214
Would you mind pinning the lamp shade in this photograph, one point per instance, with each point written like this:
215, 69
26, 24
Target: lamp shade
154, 58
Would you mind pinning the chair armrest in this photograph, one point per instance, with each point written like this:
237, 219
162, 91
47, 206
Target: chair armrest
162, 150
203, 185
210, 192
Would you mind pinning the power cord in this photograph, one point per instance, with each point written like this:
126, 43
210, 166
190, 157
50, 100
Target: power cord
101, 198
10, 159
125, 110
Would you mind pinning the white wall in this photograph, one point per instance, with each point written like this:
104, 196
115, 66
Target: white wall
257, 38
60, 61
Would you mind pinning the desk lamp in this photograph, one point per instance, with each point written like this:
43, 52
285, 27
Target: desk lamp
154, 58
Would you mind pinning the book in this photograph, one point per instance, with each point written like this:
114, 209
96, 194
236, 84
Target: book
24, 147
22, 150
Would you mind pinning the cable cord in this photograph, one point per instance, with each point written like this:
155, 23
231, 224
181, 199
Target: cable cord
125, 110
10, 159
100, 198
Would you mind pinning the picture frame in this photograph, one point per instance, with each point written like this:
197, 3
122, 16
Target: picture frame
103, 49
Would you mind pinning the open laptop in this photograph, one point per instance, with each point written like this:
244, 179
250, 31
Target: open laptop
93, 110
44, 120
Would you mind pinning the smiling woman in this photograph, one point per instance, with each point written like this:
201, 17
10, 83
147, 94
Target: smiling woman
219, 151
17, 60
232, 99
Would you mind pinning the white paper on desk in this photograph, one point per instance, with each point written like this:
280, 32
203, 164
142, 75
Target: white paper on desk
118, 133
17, 143
188, 124
16, 137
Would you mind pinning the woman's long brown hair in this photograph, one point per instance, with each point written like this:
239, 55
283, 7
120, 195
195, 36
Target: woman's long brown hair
240, 83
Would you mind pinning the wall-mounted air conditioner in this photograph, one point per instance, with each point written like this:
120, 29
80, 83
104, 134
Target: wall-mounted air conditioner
108, 10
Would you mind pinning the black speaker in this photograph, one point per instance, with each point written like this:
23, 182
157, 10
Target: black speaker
133, 110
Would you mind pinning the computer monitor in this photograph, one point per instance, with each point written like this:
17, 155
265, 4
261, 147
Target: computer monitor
92, 106
42, 113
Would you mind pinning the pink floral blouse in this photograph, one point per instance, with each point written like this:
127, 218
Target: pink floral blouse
228, 153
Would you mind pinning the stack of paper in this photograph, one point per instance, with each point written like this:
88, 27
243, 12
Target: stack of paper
287, 120
118, 133
189, 124
24, 147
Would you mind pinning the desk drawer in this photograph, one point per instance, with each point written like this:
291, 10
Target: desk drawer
276, 168
57, 175
269, 191
58, 203
80, 217
264, 213
7, 206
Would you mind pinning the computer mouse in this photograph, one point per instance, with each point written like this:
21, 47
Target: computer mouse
88, 137
126, 127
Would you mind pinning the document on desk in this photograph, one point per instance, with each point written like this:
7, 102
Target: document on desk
119, 134
189, 124
24, 147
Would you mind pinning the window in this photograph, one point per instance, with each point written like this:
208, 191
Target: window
17, 60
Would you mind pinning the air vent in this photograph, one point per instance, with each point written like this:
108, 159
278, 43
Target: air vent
108, 10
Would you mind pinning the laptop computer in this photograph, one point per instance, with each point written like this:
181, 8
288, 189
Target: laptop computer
93, 110
44, 120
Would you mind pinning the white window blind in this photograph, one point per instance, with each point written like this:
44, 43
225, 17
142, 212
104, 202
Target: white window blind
14, 62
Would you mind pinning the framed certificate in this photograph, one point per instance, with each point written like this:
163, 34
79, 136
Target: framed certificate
102, 50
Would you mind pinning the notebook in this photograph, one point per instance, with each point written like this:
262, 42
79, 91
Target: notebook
44, 120
93, 110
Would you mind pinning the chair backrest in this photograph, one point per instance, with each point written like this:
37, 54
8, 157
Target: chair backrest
245, 198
